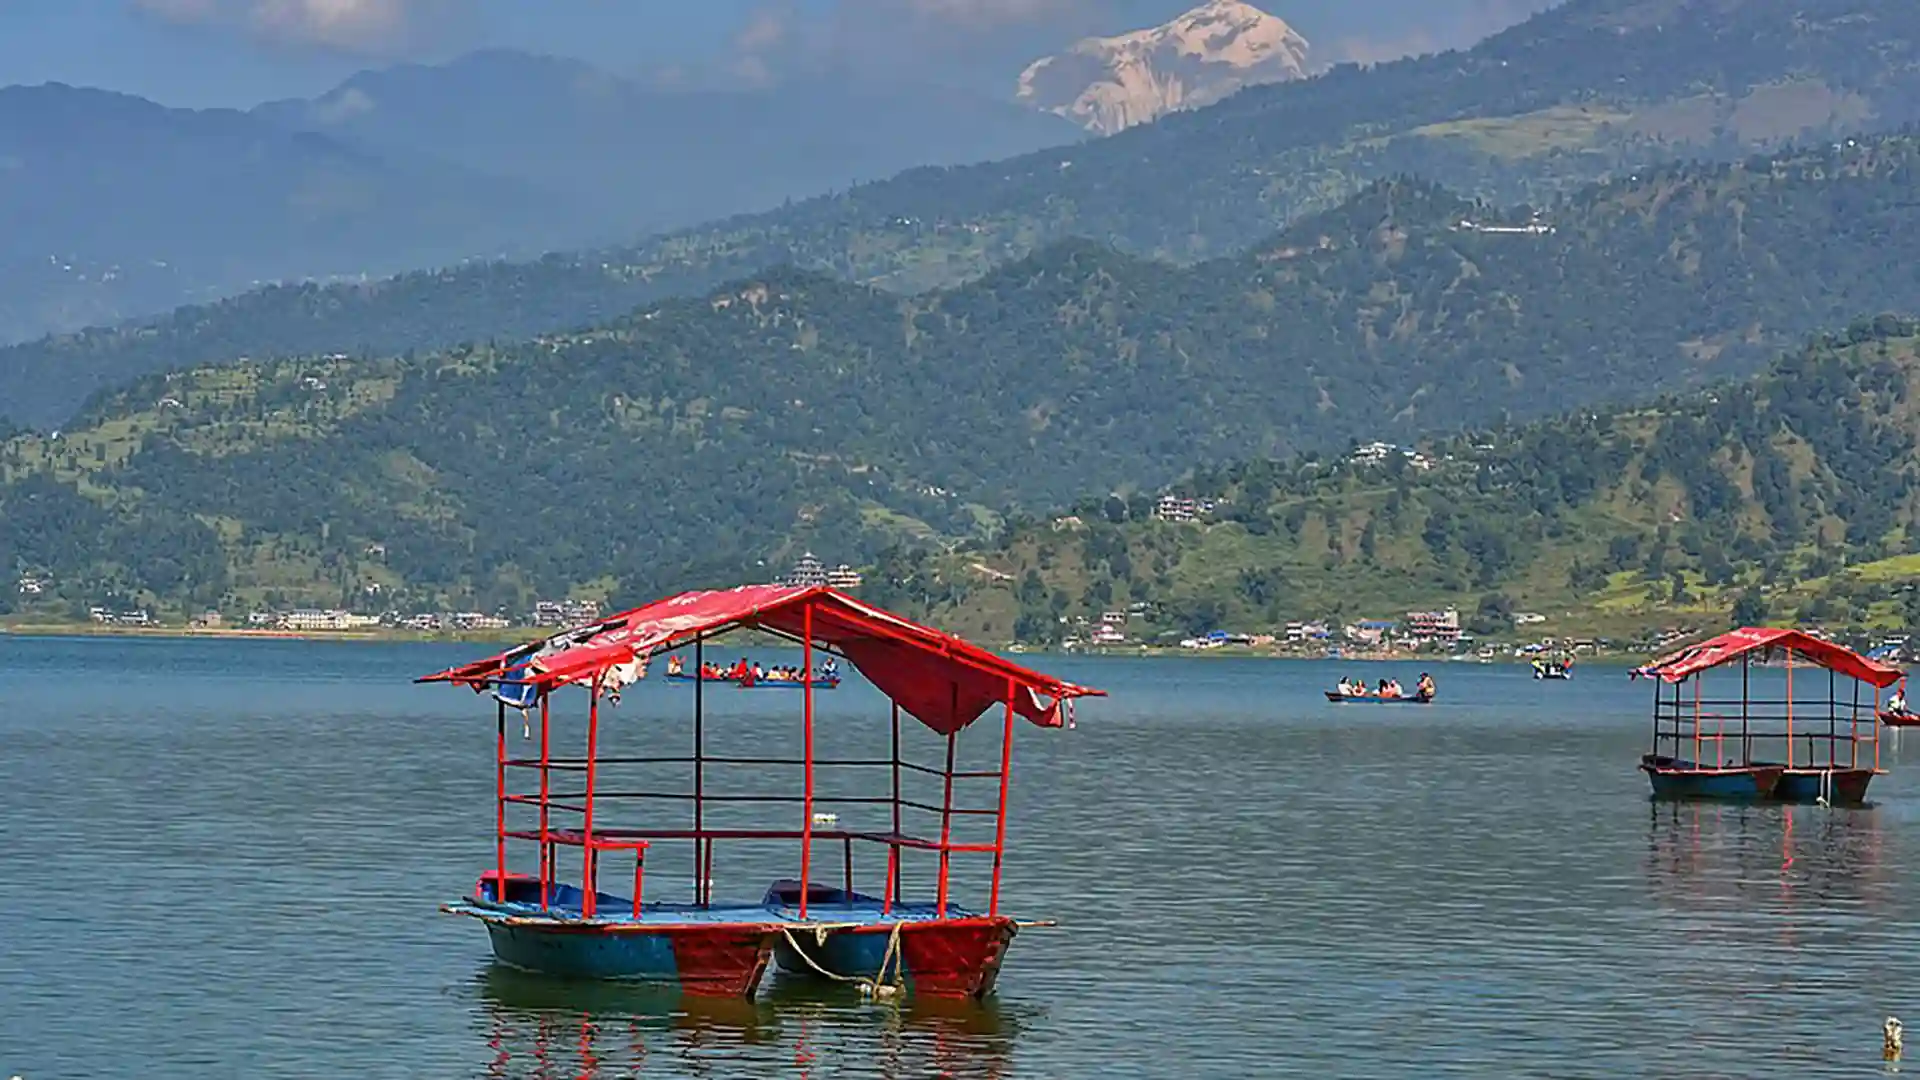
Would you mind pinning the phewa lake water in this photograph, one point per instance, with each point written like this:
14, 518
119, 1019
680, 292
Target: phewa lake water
224, 859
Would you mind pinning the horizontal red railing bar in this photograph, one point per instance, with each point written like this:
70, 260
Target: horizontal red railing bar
579, 764
941, 809
886, 839
712, 760
878, 800
534, 800
670, 796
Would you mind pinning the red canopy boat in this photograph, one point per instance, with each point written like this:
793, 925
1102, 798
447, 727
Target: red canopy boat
932, 946
1797, 748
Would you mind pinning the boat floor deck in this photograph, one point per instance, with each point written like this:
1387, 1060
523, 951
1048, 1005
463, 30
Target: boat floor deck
615, 911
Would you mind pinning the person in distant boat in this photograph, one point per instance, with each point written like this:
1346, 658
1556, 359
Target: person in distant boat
1424, 688
675, 666
830, 670
1386, 688
742, 669
1897, 705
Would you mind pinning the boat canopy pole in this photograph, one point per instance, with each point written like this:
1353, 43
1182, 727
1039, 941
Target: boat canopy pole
1789, 706
546, 793
806, 821
1746, 731
1000, 814
700, 869
946, 816
1833, 716
892, 895
588, 886
500, 805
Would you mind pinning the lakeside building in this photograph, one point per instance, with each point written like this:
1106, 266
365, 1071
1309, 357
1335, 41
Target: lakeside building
1440, 627
810, 572
565, 612
333, 619
1370, 631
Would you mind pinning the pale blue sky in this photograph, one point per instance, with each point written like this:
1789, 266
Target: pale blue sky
224, 52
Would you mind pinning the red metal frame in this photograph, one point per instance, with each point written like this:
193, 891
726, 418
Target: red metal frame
1768, 723
594, 837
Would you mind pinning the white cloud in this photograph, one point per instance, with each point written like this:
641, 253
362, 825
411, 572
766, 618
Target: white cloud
361, 26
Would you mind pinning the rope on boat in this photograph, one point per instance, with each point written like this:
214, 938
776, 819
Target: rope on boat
877, 987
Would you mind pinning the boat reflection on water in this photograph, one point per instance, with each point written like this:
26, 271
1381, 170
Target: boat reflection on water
540, 1026
1792, 865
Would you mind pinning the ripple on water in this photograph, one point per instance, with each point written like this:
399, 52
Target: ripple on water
224, 859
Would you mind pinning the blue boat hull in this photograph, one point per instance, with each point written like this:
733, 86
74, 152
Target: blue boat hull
1673, 778
1840, 787
713, 956
723, 950
955, 957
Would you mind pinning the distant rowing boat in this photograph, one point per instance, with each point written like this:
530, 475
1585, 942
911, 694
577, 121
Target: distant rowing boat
759, 684
1375, 699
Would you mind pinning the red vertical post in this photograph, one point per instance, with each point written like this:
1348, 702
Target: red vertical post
893, 848
546, 762
1853, 724
699, 769
946, 826
1789, 708
1000, 816
587, 884
500, 808
806, 799
1697, 755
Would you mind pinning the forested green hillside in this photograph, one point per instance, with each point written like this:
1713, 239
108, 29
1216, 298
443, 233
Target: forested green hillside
697, 438
1794, 496
1590, 89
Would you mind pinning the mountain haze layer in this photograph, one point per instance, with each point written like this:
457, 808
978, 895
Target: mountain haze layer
634, 158
110, 203
1110, 84
1592, 89
792, 408
115, 206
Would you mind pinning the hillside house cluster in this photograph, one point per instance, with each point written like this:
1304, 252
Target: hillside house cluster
811, 572
1419, 629
1434, 627
1302, 633
1378, 453
1110, 628
1180, 508
565, 612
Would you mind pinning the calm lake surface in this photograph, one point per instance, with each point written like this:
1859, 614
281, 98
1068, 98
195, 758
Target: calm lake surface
224, 859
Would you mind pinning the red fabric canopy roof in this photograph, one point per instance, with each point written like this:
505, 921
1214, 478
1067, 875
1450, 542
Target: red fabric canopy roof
1734, 644
942, 681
